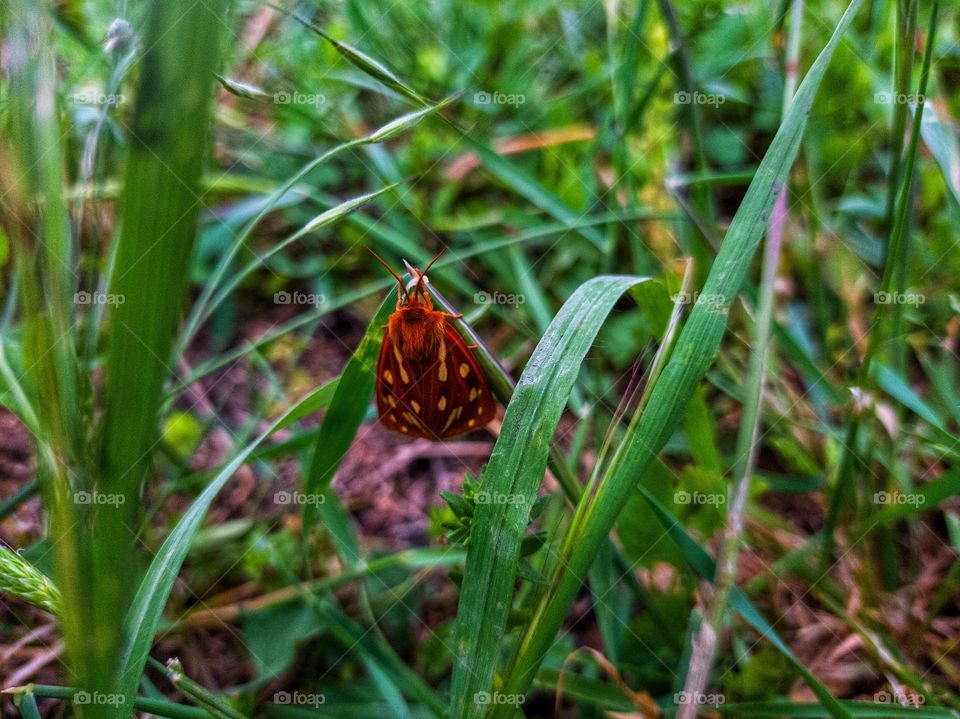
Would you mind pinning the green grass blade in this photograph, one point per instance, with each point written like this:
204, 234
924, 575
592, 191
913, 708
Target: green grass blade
922, 499
159, 211
898, 388
28, 707
344, 416
516, 469
206, 303
329, 217
889, 319
704, 566
146, 609
34, 224
319, 399
155, 707
359, 59
525, 185
387, 670
860, 710
694, 353
174, 673
945, 148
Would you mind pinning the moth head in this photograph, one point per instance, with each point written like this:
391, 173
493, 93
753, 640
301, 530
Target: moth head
416, 296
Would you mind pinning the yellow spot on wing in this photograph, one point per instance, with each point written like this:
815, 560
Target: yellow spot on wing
442, 404
388, 376
399, 357
415, 405
473, 393
464, 369
442, 372
454, 416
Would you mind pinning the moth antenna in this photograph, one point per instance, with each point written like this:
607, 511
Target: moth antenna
397, 277
423, 274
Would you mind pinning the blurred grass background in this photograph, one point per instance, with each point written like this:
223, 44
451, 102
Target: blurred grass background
190, 322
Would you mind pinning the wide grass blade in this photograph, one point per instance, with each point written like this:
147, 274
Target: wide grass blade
514, 473
694, 353
160, 206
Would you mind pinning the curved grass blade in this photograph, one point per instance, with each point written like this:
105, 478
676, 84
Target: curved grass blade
344, 416
694, 353
204, 305
533, 236
516, 469
324, 219
319, 399
146, 609
359, 59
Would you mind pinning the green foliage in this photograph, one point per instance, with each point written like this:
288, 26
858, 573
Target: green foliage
191, 326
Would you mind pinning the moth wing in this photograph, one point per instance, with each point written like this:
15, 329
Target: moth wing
464, 395
388, 377
435, 398
404, 391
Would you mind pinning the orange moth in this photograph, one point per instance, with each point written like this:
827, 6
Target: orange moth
428, 382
